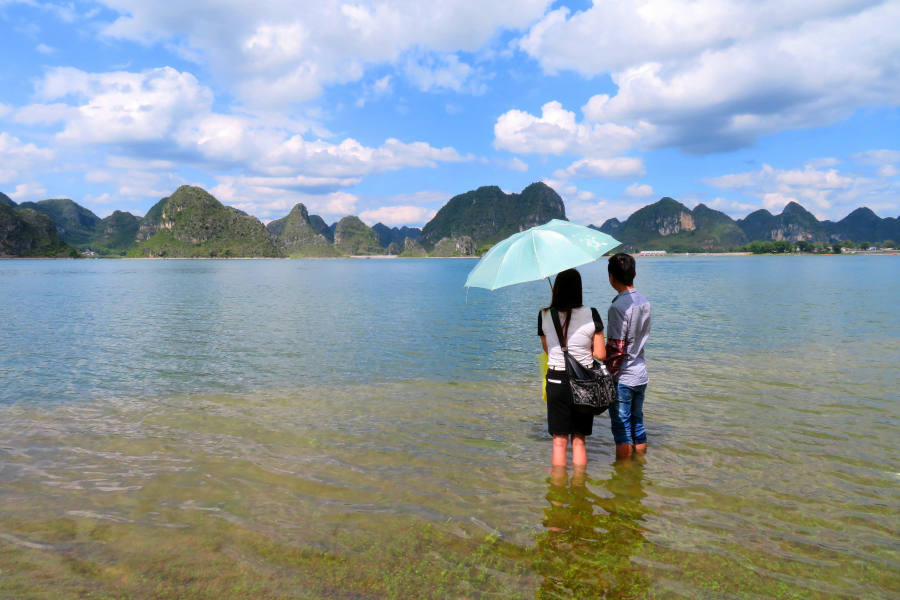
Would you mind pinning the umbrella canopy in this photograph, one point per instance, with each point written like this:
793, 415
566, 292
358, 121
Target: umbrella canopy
538, 253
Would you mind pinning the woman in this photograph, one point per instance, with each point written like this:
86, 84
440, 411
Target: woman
583, 330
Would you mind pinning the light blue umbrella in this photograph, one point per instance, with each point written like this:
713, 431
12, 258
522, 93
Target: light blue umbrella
538, 253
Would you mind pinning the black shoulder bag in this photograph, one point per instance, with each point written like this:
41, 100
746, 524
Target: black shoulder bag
592, 388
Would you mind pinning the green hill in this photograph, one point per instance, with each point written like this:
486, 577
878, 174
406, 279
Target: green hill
670, 225
7, 201
412, 249
318, 223
116, 234
795, 223
863, 225
29, 233
296, 236
193, 224
352, 236
74, 223
488, 215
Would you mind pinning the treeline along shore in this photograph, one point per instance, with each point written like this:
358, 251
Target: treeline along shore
191, 223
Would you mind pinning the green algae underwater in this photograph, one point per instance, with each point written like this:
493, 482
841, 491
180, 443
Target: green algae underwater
280, 430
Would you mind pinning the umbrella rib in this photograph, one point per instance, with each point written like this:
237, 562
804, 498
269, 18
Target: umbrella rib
536, 256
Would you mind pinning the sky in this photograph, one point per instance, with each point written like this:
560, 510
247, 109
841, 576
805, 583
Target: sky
387, 109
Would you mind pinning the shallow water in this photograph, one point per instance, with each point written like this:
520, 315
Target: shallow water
366, 429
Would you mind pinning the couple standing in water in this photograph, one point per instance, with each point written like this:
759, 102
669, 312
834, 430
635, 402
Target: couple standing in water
621, 350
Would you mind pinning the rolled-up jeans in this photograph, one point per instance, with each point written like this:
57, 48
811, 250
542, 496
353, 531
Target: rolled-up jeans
626, 415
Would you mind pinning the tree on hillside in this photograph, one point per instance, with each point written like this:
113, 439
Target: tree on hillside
864, 245
888, 244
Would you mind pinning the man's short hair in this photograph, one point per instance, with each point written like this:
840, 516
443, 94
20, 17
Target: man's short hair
621, 267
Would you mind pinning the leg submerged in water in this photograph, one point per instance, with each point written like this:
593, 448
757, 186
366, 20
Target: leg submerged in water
579, 451
560, 445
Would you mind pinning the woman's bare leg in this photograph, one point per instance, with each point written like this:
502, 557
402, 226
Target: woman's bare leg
579, 452
560, 445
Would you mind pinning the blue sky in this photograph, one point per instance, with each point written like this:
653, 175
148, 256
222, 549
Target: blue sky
388, 109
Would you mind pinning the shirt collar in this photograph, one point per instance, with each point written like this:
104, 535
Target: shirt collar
622, 293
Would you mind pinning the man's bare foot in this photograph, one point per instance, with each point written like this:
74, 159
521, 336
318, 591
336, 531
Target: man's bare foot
641, 448
623, 450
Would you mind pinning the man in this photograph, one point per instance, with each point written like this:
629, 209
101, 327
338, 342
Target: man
627, 330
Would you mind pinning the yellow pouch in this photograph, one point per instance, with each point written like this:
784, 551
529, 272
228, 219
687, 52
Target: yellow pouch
542, 365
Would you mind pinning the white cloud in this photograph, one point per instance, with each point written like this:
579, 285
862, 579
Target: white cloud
381, 88
437, 72
5, 110
260, 198
714, 75
160, 118
887, 171
45, 49
826, 193
620, 168
557, 132
18, 159
818, 163
517, 165
28, 191
639, 190
877, 157
278, 52
398, 215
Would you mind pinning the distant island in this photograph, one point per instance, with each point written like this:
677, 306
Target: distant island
191, 223
670, 225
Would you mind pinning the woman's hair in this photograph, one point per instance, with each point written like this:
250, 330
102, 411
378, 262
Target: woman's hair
566, 296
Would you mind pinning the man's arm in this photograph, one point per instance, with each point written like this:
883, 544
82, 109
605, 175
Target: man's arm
615, 355
616, 344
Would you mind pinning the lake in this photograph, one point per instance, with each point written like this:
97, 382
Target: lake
368, 429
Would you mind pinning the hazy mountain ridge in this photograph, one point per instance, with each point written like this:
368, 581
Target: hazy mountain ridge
669, 225
192, 223
389, 235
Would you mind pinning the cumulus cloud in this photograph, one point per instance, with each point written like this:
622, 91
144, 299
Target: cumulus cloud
639, 190
165, 117
279, 52
715, 75
398, 215
827, 193
621, 168
265, 200
17, 160
518, 165
28, 191
877, 157
557, 132
444, 72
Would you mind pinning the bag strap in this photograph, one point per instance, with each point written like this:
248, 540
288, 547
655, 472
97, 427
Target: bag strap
563, 342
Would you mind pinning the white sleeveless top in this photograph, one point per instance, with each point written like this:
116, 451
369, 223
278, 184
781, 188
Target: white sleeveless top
584, 324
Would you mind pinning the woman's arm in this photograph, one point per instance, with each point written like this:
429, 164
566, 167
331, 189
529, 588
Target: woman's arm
599, 346
544, 344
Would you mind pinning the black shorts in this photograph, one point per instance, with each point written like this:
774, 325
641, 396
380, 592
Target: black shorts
562, 418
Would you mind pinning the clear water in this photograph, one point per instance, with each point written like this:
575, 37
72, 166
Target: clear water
363, 429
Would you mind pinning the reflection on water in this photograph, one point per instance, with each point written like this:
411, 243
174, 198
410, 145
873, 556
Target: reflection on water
357, 429
592, 536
